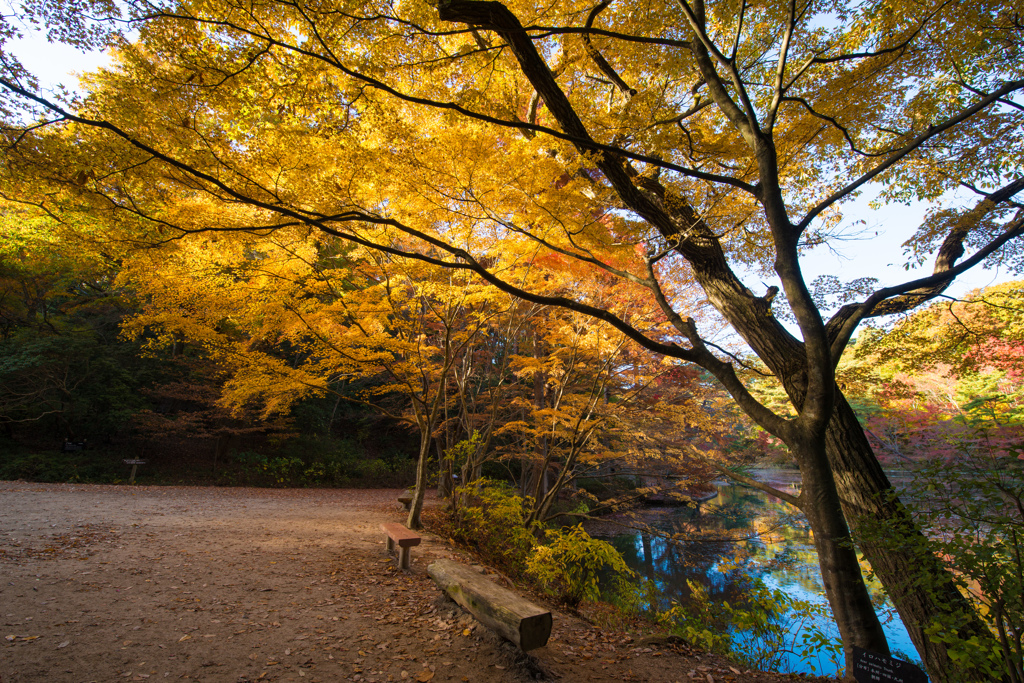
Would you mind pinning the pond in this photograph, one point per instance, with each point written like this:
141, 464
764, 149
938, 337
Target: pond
740, 536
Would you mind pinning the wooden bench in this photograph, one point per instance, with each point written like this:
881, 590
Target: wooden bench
508, 614
405, 540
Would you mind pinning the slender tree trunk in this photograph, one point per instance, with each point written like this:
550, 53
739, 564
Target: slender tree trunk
645, 541
840, 568
413, 521
444, 472
334, 413
539, 478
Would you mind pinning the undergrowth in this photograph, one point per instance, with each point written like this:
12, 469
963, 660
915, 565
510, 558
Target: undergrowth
589, 576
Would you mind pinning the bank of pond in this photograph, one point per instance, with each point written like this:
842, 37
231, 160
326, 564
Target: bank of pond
740, 571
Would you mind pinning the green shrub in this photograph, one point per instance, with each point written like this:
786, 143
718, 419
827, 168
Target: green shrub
492, 520
572, 564
973, 510
322, 462
756, 631
94, 468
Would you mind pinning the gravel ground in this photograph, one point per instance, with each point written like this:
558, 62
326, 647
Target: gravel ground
116, 583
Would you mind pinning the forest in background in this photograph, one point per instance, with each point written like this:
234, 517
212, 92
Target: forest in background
92, 356
221, 380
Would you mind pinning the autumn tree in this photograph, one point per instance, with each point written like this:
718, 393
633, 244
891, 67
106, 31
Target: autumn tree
287, 317
945, 379
592, 400
662, 143
943, 400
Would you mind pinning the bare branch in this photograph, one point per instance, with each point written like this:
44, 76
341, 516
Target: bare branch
914, 144
748, 114
835, 123
598, 59
780, 69
795, 501
906, 296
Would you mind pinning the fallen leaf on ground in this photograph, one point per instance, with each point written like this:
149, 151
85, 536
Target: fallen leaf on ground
425, 676
183, 638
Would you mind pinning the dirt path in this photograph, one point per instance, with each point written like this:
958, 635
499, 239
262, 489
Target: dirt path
114, 583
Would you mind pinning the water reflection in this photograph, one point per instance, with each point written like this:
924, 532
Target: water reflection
727, 543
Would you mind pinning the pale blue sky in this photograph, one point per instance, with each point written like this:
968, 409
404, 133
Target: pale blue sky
54, 63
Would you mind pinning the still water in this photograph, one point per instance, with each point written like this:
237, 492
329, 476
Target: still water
739, 536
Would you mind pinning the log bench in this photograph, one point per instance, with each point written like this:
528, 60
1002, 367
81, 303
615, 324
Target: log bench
507, 614
405, 540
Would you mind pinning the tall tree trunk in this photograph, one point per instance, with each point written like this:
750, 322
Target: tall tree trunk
697, 243
920, 587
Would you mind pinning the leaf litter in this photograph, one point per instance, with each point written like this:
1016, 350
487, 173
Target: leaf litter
265, 584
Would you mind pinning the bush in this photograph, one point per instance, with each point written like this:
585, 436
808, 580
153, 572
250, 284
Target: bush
323, 462
974, 512
763, 618
492, 520
572, 563
93, 468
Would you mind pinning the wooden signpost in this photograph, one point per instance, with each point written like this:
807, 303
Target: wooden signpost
871, 667
134, 462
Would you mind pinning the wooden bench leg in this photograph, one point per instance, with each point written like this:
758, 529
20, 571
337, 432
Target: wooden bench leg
404, 559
